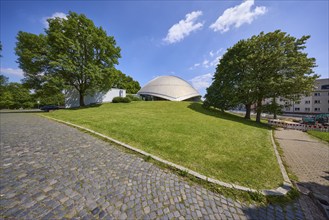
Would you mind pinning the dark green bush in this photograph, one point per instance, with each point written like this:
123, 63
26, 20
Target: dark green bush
133, 98
126, 100
121, 99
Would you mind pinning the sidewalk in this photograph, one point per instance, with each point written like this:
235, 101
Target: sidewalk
308, 158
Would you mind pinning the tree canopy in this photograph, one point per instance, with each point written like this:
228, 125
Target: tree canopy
73, 53
122, 81
14, 95
264, 66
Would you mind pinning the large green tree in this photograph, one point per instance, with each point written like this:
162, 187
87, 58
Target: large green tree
74, 53
231, 85
14, 95
122, 81
266, 66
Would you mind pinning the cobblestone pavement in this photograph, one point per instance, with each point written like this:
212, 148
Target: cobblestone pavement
308, 158
52, 171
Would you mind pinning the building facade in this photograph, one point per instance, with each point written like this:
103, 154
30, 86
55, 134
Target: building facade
171, 88
316, 103
72, 97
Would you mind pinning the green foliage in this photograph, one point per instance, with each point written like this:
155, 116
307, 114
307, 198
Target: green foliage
121, 100
122, 81
292, 195
49, 94
6, 100
256, 196
264, 66
73, 51
272, 108
133, 98
14, 95
147, 158
32, 52
3, 82
182, 173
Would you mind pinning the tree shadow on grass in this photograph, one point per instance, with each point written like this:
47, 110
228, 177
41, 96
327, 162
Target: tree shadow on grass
226, 116
95, 105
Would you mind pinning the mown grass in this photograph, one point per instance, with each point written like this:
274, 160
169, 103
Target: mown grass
218, 145
320, 134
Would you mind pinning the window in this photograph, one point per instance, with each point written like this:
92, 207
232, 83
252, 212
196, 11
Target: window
325, 87
317, 94
287, 109
307, 109
316, 101
287, 103
307, 102
297, 109
316, 109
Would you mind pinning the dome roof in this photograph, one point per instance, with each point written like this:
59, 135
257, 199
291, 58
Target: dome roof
169, 87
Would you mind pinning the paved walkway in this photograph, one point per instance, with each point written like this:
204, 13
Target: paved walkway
51, 171
308, 158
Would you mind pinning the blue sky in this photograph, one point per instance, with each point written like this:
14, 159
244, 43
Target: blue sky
182, 38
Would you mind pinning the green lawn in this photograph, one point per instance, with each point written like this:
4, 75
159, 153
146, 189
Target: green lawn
320, 134
218, 145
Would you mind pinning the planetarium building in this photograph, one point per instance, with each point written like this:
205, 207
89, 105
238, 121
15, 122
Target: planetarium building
170, 88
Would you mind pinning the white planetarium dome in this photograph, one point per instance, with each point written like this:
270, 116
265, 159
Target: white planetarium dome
170, 88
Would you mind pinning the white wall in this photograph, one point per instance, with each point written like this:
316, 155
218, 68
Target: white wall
72, 97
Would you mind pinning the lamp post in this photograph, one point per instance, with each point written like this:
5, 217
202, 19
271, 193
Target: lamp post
38, 103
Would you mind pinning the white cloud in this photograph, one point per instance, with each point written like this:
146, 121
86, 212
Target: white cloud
238, 16
211, 61
215, 61
202, 81
205, 63
11, 71
55, 15
184, 27
195, 66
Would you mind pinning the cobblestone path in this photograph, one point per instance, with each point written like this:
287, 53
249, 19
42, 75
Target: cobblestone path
52, 171
308, 158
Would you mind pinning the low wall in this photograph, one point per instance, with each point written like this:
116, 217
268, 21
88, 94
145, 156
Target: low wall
297, 126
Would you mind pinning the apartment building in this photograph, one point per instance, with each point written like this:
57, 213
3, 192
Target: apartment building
317, 102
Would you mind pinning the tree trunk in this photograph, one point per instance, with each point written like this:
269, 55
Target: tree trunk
275, 108
248, 111
82, 101
259, 110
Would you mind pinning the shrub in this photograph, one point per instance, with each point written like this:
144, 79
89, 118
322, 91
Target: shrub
133, 98
121, 99
126, 100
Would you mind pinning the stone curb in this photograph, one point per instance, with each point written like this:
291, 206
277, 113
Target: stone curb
281, 191
287, 185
